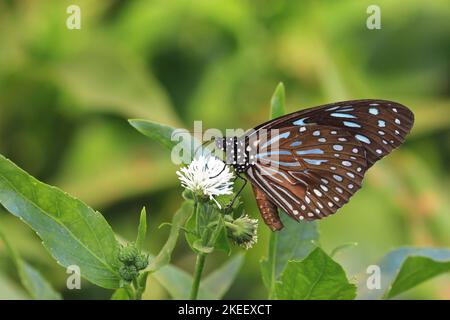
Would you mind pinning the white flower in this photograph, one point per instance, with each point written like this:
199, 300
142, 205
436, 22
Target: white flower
208, 176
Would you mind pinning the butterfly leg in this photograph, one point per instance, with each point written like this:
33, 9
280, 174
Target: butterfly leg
228, 207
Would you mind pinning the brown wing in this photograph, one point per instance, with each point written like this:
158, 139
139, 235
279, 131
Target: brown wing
313, 170
380, 125
268, 209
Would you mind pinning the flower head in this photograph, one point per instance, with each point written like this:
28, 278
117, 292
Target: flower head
207, 176
243, 230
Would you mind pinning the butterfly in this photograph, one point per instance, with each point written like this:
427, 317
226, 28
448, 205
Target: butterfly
310, 162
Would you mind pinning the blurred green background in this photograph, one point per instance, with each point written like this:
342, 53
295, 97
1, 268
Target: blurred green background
65, 96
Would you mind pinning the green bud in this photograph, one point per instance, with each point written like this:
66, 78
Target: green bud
141, 262
128, 254
243, 231
128, 273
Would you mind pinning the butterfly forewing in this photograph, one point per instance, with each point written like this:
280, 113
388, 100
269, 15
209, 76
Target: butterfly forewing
379, 125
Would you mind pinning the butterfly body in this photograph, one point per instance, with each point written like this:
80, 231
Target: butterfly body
309, 163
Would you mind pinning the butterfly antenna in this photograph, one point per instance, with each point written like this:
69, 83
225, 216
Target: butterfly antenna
224, 166
201, 146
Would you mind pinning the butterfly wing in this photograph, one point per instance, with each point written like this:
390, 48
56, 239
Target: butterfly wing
379, 125
309, 171
268, 209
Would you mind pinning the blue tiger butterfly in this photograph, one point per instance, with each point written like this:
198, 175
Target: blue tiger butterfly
322, 154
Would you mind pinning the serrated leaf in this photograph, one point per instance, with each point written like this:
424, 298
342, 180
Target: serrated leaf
142, 230
178, 221
405, 268
317, 277
74, 233
277, 102
36, 285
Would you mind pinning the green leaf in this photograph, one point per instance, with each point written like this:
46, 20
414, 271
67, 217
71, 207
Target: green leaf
178, 221
94, 78
220, 280
166, 136
317, 277
206, 229
74, 233
10, 290
36, 285
200, 248
176, 281
341, 247
294, 242
405, 268
213, 287
142, 230
277, 102
121, 294
416, 270
223, 243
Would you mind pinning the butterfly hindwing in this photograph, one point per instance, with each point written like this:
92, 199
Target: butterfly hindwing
329, 167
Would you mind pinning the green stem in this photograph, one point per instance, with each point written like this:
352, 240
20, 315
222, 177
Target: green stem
136, 288
200, 263
130, 291
139, 285
272, 257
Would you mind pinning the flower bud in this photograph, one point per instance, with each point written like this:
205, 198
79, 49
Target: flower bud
141, 262
128, 254
243, 230
128, 272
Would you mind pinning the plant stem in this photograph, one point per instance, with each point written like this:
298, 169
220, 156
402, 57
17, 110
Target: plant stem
140, 284
272, 257
199, 264
136, 288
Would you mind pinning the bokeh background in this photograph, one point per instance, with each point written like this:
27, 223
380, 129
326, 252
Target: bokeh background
65, 96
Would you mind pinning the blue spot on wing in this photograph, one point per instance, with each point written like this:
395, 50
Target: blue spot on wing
373, 111
314, 162
286, 164
296, 143
342, 115
311, 151
351, 124
271, 153
300, 122
362, 138
276, 138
